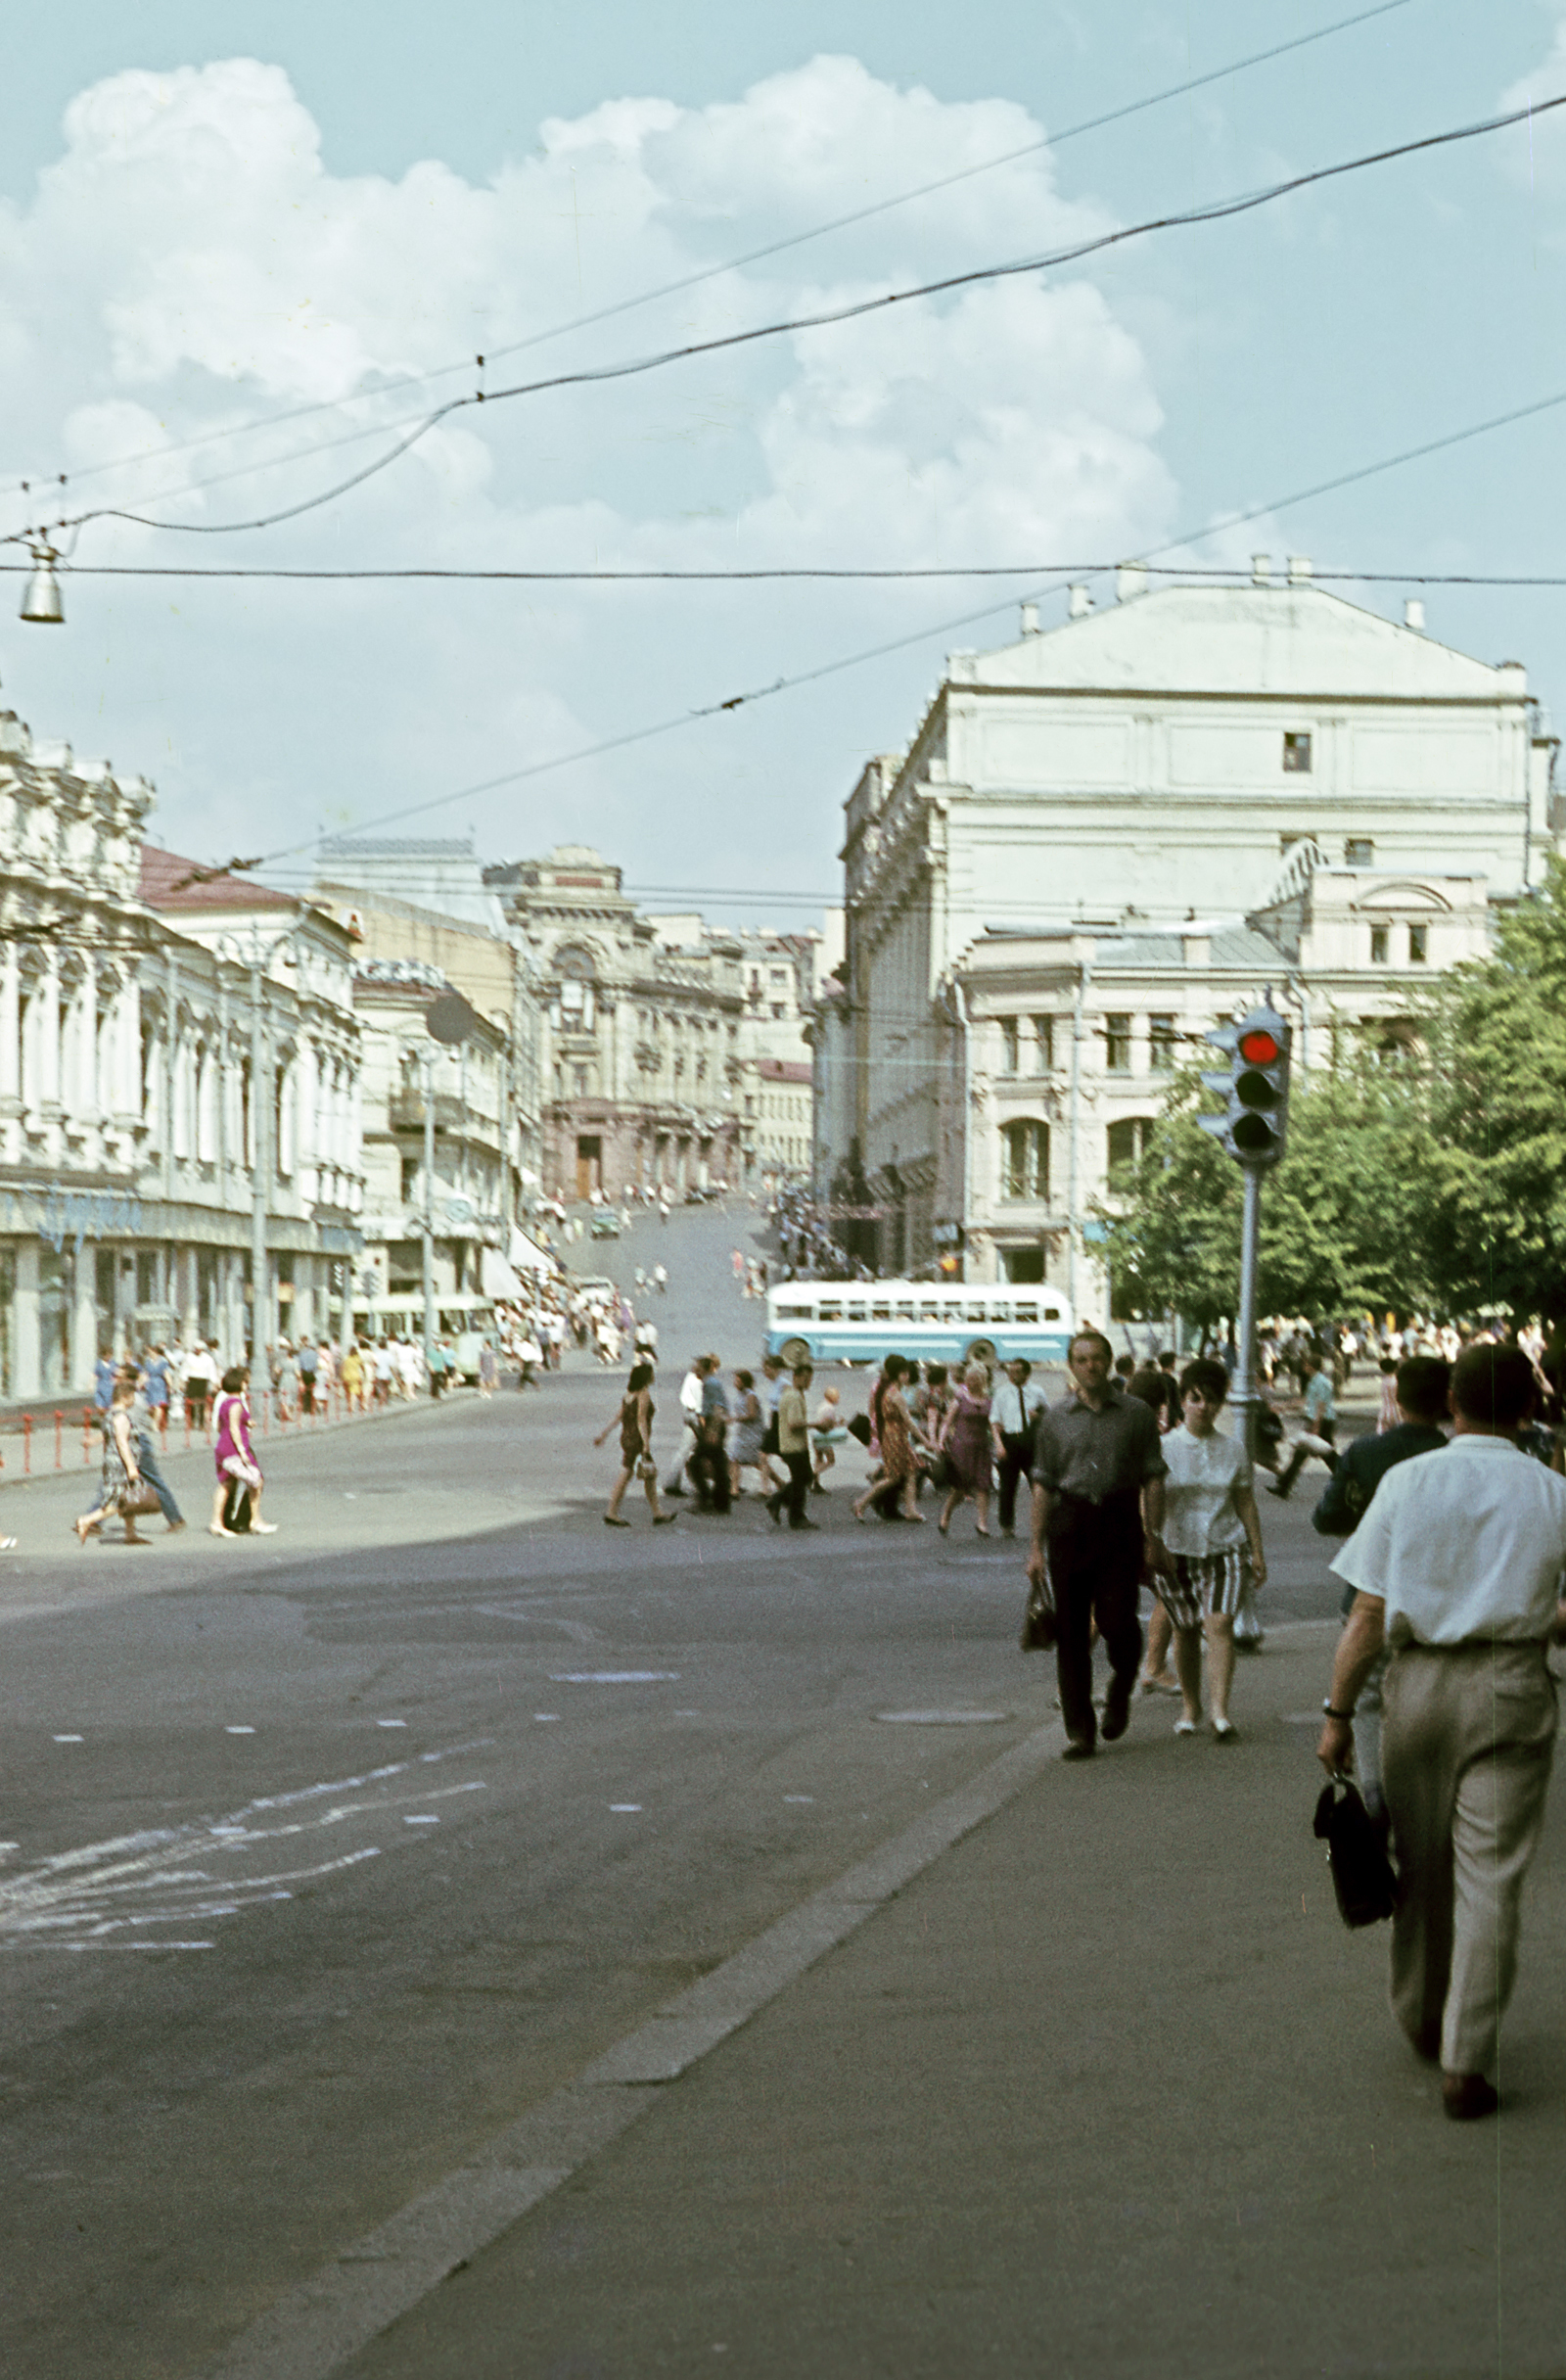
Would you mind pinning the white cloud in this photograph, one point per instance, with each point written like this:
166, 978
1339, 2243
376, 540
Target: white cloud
191, 260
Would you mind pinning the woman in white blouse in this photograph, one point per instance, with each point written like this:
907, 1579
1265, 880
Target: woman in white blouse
1214, 1536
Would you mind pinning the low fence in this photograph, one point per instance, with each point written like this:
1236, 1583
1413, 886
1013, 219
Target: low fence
36, 1443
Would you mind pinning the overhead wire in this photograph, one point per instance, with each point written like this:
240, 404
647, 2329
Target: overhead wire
898, 644
856, 573
878, 206
1211, 211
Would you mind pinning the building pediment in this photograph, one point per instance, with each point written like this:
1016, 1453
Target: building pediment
1292, 641
1407, 895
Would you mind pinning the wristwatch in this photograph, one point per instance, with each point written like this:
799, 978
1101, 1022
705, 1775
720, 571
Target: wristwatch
1332, 1713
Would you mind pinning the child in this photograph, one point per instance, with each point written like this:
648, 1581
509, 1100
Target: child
1209, 1518
826, 1433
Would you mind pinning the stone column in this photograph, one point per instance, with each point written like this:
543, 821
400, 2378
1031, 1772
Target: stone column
46, 1047
25, 1381
84, 1321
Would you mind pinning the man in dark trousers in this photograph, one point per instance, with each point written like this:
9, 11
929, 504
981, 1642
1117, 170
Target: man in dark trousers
1098, 1508
1423, 1391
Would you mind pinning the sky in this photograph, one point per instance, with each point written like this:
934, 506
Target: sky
214, 215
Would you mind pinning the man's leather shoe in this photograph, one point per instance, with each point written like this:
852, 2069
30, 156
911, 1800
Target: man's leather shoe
1117, 1710
1465, 2096
1077, 1748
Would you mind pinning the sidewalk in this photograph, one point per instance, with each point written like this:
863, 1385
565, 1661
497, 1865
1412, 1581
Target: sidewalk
1106, 2089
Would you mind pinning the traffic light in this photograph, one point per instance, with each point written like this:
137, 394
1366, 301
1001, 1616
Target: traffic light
1255, 1087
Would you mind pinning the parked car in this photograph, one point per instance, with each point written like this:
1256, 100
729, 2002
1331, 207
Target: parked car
605, 1225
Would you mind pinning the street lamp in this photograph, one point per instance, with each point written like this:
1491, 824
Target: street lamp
40, 597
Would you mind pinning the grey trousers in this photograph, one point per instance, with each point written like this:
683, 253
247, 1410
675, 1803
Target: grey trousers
1468, 1736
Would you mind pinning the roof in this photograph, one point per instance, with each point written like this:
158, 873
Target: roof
1292, 639
166, 884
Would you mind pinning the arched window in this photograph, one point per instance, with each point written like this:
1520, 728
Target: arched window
1025, 1161
576, 971
1128, 1143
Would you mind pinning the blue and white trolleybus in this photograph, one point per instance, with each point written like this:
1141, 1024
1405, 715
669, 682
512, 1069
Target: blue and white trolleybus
941, 1322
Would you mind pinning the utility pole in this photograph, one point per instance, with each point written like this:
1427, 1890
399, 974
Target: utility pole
427, 1060
1252, 1130
260, 1281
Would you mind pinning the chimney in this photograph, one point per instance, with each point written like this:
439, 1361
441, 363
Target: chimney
1299, 569
1131, 581
1030, 618
1079, 602
1196, 945
1413, 615
1261, 570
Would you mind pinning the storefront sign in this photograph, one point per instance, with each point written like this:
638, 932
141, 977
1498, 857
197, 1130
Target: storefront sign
81, 1214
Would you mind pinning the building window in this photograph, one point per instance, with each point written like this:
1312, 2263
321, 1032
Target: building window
1160, 1040
1009, 1045
1379, 937
1128, 1143
1297, 756
1360, 851
1418, 944
1118, 1043
1043, 1045
1025, 1160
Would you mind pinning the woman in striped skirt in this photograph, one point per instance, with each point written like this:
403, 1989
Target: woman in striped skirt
1214, 1537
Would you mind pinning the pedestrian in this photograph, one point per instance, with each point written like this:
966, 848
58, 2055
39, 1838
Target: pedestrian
201, 1379
351, 1372
690, 1406
119, 1486
750, 1428
827, 1434
1318, 1435
239, 1474
1387, 1412
1210, 1519
155, 1388
793, 1445
633, 1419
1097, 1476
1457, 1564
144, 1430
103, 1380
709, 1463
1011, 1420
307, 1363
439, 1366
965, 1441
285, 1382
894, 1487
1423, 1401
769, 1388
488, 1368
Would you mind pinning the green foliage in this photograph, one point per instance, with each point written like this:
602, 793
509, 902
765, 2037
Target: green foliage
1497, 1193
1342, 1220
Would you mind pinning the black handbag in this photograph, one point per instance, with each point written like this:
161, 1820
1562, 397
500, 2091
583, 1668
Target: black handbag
1362, 1876
1038, 1631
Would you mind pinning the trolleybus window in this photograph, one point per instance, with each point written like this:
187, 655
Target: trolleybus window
830, 1309
857, 1314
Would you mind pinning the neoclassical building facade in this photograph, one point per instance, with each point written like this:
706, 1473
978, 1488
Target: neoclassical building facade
167, 1047
641, 1047
1104, 836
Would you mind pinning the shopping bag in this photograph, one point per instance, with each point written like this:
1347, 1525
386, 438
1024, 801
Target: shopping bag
1362, 1876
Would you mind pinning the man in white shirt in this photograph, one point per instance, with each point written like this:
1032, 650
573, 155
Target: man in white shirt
690, 1414
1459, 1565
1012, 1408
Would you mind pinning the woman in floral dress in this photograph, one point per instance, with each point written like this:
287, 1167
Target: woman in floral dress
965, 1441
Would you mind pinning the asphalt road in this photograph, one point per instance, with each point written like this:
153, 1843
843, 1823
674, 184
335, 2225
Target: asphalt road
329, 1855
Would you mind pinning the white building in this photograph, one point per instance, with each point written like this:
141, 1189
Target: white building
1142, 816
153, 1022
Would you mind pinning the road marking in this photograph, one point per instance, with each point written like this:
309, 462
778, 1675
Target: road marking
942, 1718
613, 1677
68, 1739
627, 1808
239, 1731
545, 1718
312, 2330
424, 1819
390, 1722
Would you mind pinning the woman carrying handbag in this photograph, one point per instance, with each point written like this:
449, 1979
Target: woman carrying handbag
634, 1422
121, 1488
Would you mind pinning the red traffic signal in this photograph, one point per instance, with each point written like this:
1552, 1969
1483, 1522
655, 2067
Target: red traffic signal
1259, 1047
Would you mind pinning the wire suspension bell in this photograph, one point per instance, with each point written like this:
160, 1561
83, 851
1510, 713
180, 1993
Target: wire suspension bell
40, 597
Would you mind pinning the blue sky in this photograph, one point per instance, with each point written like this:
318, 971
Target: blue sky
212, 214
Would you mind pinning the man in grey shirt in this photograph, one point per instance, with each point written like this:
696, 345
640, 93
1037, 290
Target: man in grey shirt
1098, 1505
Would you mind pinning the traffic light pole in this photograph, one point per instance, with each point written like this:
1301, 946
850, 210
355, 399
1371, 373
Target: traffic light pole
1244, 1396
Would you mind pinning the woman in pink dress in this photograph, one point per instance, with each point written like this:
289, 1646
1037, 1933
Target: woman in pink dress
234, 1454
965, 1443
